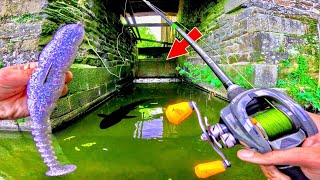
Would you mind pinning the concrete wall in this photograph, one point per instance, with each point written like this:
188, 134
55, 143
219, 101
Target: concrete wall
155, 68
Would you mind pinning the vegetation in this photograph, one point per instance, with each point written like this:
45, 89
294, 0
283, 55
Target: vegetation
199, 74
145, 33
304, 61
300, 85
203, 74
26, 18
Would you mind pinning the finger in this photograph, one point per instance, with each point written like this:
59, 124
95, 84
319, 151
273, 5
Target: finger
26, 66
65, 90
32, 65
299, 156
18, 74
271, 172
15, 77
69, 77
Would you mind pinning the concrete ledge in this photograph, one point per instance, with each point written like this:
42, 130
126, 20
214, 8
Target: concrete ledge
232, 5
155, 69
156, 80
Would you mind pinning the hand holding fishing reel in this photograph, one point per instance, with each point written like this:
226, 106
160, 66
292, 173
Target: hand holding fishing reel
260, 119
277, 123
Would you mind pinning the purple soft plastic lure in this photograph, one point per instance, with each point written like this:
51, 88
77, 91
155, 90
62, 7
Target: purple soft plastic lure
45, 87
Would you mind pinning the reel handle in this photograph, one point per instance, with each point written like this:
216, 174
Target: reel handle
294, 172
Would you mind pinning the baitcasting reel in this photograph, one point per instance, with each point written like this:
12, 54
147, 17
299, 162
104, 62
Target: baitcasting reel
260, 119
275, 122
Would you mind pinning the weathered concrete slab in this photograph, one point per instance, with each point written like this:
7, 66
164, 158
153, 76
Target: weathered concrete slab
155, 68
231, 5
265, 75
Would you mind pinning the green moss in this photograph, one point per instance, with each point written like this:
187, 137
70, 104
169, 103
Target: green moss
79, 66
44, 40
1, 62
234, 58
192, 13
48, 28
26, 18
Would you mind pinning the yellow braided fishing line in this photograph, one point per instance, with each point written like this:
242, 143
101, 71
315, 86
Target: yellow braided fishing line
274, 123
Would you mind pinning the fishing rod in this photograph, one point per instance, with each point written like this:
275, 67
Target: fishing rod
260, 119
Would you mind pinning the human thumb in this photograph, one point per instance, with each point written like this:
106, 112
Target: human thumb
299, 156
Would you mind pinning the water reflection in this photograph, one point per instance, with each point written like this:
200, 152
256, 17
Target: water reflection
151, 126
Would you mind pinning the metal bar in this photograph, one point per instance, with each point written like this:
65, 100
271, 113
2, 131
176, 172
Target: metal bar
214, 67
128, 22
134, 20
160, 42
149, 25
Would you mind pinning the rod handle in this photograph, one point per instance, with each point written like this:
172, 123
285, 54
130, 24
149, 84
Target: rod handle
294, 172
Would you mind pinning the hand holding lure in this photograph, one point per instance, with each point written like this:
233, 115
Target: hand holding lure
45, 87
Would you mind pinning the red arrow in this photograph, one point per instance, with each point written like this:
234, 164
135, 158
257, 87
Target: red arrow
179, 48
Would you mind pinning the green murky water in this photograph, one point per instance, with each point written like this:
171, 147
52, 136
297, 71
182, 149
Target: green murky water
144, 147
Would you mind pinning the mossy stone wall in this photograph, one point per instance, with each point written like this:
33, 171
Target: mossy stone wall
257, 32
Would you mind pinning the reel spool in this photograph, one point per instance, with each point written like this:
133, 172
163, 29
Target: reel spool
273, 123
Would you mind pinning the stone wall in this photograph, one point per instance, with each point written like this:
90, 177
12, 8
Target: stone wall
19, 31
26, 26
261, 32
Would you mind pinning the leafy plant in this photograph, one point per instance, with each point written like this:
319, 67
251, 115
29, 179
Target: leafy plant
203, 74
145, 33
302, 87
199, 74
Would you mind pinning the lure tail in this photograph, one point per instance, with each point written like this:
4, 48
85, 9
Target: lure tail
41, 134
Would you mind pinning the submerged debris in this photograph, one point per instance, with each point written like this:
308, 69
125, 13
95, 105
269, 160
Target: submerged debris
88, 144
68, 138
